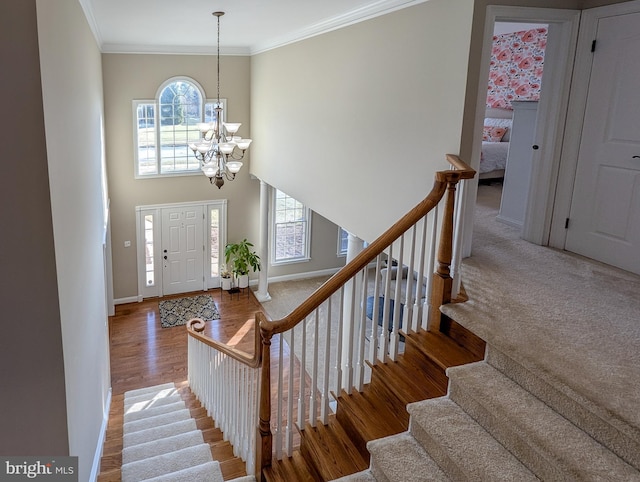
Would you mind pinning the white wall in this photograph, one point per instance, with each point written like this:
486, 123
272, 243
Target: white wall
355, 122
73, 112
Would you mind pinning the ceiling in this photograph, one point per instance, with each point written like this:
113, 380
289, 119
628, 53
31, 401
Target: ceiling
248, 26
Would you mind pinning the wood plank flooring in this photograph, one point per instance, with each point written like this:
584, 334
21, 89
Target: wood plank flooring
143, 354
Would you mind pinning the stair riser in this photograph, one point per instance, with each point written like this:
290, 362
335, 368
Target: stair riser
434, 449
578, 410
378, 472
514, 441
310, 457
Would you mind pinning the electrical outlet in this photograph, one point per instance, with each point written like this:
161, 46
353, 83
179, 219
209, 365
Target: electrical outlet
127, 244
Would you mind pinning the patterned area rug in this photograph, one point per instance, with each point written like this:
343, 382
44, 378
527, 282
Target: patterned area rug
178, 311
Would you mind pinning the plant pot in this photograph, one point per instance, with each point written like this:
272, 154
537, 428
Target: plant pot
243, 281
226, 284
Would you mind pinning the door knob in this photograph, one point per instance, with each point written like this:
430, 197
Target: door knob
535, 147
165, 257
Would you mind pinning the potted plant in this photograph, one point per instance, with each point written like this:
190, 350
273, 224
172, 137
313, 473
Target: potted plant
240, 257
225, 276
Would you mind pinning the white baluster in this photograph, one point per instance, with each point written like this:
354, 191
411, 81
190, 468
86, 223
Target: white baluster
303, 378
339, 354
384, 332
375, 303
324, 404
279, 428
431, 264
313, 388
457, 237
407, 314
361, 332
394, 338
290, 428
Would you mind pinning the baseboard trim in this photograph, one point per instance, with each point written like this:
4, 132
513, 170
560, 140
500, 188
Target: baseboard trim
129, 299
254, 282
305, 275
95, 468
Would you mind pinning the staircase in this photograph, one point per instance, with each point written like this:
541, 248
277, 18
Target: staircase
167, 436
488, 427
341, 447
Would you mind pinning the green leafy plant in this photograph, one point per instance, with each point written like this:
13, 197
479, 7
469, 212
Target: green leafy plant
240, 257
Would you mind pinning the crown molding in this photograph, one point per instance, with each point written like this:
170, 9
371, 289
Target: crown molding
379, 8
91, 20
173, 50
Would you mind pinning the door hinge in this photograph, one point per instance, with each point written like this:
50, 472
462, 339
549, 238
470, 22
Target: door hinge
566, 223
593, 46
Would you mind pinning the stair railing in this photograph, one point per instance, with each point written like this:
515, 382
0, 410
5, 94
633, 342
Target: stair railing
327, 344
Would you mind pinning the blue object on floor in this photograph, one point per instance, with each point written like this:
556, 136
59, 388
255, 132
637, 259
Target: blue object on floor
370, 301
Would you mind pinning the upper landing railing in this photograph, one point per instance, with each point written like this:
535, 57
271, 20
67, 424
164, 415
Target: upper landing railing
358, 317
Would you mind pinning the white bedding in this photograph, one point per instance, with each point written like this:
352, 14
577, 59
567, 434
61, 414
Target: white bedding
493, 156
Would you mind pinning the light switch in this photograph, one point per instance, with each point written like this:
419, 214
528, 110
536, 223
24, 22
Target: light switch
127, 244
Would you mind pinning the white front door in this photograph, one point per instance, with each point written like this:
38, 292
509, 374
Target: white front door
182, 249
604, 223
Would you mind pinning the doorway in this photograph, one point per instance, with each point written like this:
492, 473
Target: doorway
180, 247
551, 112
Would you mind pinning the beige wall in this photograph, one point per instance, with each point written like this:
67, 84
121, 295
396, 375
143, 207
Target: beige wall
128, 77
73, 113
33, 413
356, 121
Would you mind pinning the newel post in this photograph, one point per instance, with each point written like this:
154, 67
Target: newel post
264, 439
442, 280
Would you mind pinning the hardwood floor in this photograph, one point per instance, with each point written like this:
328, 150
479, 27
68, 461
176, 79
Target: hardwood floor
143, 354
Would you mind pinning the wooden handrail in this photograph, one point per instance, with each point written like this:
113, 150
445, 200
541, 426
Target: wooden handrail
196, 326
265, 327
333, 284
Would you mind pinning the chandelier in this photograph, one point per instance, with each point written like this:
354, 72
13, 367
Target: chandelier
219, 150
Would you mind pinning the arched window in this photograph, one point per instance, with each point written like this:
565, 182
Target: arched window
164, 128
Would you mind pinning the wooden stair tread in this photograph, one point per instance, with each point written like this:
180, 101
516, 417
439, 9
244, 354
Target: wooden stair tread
331, 451
409, 384
364, 421
441, 349
292, 468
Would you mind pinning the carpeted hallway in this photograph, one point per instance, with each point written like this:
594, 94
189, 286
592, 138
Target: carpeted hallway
572, 321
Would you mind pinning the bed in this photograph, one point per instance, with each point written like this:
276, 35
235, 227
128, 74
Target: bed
495, 144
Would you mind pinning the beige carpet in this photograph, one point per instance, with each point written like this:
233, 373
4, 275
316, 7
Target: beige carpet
569, 319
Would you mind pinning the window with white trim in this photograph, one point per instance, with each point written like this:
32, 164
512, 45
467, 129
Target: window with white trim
343, 241
291, 232
164, 127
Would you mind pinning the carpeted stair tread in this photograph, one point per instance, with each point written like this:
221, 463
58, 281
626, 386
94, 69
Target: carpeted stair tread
604, 426
208, 472
364, 476
155, 433
545, 441
133, 414
460, 446
157, 421
166, 463
161, 446
401, 457
146, 390
143, 402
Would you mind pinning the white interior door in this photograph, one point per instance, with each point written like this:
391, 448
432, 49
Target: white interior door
182, 249
604, 223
